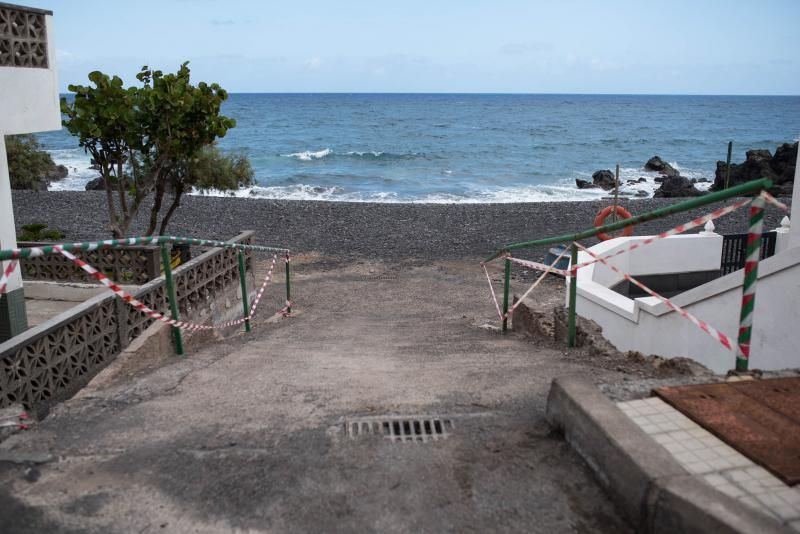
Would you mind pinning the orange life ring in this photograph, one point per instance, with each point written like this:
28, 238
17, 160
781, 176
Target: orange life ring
601, 218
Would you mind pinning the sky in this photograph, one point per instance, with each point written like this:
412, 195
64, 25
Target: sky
451, 46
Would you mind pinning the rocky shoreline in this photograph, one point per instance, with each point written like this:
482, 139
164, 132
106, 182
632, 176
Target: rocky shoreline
359, 230
758, 164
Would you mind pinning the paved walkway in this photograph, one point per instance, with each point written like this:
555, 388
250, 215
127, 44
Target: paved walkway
245, 434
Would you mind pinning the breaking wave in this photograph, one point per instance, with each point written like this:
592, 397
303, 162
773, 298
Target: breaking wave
372, 155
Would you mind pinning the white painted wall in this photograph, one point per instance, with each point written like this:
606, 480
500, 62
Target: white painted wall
29, 102
794, 235
664, 256
8, 234
649, 326
29, 99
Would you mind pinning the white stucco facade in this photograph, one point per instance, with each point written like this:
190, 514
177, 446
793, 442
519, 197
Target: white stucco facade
649, 326
29, 99
29, 102
794, 234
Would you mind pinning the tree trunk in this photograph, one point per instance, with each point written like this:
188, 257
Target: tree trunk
123, 202
116, 231
175, 203
156, 207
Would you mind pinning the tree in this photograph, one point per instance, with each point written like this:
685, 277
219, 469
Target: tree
210, 169
107, 121
179, 120
28, 165
141, 136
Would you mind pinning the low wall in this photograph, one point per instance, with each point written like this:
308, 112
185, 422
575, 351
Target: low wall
134, 265
50, 362
647, 325
67, 291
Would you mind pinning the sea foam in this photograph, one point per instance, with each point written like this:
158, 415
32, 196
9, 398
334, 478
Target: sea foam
309, 155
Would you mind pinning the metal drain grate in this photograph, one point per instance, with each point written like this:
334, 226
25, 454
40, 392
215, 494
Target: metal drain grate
407, 429
379, 277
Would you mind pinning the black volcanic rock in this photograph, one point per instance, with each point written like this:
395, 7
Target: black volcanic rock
584, 184
677, 186
59, 172
758, 164
659, 165
604, 179
97, 184
784, 162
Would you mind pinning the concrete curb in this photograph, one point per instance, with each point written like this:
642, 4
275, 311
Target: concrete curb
655, 492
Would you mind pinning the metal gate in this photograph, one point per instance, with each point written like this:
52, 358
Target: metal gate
734, 250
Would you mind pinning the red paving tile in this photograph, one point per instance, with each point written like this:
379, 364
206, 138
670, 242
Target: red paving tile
759, 418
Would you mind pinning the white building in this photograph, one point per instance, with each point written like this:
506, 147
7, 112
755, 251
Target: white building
29, 102
647, 325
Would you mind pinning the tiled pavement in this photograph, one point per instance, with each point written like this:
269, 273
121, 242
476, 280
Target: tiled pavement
709, 458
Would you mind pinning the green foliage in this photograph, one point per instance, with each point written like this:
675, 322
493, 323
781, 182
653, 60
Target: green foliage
211, 169
178, 117
104, 118
141, 137
28, 164
38, 232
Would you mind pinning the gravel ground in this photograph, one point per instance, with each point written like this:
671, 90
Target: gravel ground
246, 435
346, 229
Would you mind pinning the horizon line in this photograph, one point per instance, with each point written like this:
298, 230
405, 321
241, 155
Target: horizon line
491, 93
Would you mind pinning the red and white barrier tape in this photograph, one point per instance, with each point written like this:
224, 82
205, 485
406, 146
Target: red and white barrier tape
138, 305
775, 202
540, 266
19, 422
491, 288
694, 223
6, 275
705, 327
262, 288
547, 270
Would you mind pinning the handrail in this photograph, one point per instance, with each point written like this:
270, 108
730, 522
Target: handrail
755, 231
32, 252
739, 190
60, 248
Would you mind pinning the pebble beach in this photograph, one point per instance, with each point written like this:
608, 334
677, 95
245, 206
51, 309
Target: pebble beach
360, 229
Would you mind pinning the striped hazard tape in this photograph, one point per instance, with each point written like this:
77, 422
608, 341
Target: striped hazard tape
547, 269
702, 325
539, 266
263, 287
19, 421
681, 228
138, 305
9, 270
775, 202
33, 252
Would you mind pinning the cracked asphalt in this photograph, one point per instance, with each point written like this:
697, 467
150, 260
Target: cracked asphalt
245, 434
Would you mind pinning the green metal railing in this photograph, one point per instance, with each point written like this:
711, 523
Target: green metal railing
750, 188
166, 260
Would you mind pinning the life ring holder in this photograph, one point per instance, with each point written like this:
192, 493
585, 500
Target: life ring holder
621, 212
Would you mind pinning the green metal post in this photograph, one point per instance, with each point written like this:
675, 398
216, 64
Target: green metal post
173, 301
506, 290
754, 234
728, 171
243, 283
573, 297
288, 285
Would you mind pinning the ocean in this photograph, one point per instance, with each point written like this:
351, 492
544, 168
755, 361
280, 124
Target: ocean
478, 148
